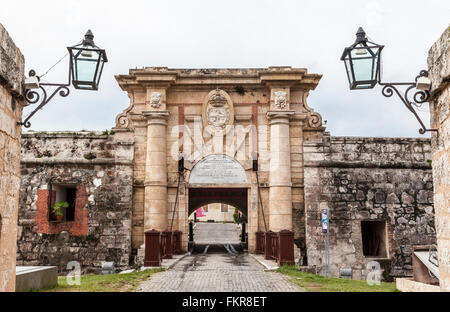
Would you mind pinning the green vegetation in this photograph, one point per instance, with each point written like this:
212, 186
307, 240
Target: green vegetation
239, 90
317, 283
108, 132
89, 156
105, 283
57, 207
242, 219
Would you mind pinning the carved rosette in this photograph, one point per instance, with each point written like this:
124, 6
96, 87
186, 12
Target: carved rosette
280, 99
155, 99
218, 109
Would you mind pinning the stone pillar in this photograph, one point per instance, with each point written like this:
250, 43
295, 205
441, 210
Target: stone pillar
280, 194
155, 205
11, 102
439, 70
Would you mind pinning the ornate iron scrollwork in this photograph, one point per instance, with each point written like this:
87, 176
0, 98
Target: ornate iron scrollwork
418, 98
33, 97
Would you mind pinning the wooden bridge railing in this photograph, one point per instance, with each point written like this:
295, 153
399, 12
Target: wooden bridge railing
161, 245
278, 246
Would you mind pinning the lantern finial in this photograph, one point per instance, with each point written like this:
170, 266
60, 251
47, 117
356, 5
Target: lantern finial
89, 39
361, 35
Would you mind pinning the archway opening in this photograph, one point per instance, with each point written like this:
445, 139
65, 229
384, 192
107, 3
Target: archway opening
219, 217
237, 197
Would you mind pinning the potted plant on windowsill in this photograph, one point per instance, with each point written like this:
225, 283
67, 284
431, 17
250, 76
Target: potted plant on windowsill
58, 209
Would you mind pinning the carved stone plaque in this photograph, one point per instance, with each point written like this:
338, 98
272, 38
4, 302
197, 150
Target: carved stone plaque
218, 169
217, 109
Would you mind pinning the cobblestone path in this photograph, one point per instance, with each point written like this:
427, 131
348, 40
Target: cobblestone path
218, 271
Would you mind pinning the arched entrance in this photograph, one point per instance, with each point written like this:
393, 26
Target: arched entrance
218, 178
237, 197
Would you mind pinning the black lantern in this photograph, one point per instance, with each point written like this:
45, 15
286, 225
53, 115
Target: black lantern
85, 69
362, 61
86, 63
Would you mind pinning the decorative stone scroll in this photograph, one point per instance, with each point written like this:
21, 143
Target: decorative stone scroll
217, 169
123, 119
314, 119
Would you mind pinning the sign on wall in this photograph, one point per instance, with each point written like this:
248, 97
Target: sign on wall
218, 169
324, 221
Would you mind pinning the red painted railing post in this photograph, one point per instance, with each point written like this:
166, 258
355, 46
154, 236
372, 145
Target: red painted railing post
274, 243
259, 242
177, 242
152, 255
268, 245
166, 244
286, 248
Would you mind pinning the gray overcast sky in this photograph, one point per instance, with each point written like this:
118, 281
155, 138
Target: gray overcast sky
243, 33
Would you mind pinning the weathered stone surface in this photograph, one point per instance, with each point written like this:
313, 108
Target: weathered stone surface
265, 111
439, 69
12, 64
380, 179
11, 78
106, 183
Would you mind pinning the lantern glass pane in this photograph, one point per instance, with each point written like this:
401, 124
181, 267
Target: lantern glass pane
365, 63
362, 65
376, 59
348, 67
85, 65
100, 69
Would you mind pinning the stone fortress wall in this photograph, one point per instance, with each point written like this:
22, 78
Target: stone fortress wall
357, 179
12, 65
127, 182
99, 168
368, 179
439, 70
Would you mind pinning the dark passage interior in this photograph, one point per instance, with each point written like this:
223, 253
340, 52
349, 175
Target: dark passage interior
374, 238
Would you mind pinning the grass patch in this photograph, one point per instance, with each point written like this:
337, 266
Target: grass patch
105, 283
317, 283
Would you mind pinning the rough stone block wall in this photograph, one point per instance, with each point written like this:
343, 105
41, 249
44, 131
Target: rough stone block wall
368, 179
11, 82
439, 69
101, 168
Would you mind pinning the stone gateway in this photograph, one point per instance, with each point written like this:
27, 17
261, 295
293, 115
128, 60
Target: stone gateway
218, 122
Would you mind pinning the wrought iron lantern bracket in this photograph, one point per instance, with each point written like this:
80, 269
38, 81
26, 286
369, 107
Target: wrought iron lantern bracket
363, 65
33, 97
419, 97
85, 70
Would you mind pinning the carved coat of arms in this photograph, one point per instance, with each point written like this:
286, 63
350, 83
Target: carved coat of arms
217, 112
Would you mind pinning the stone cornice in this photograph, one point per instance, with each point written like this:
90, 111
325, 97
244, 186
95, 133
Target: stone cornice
156, 114
296, 78
77, 161
368, 164
280, 114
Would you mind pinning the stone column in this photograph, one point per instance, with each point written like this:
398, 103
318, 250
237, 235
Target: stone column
439, 70
280, 197
156, 206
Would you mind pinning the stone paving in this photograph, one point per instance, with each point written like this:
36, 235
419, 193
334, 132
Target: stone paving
218, 271
217, 233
